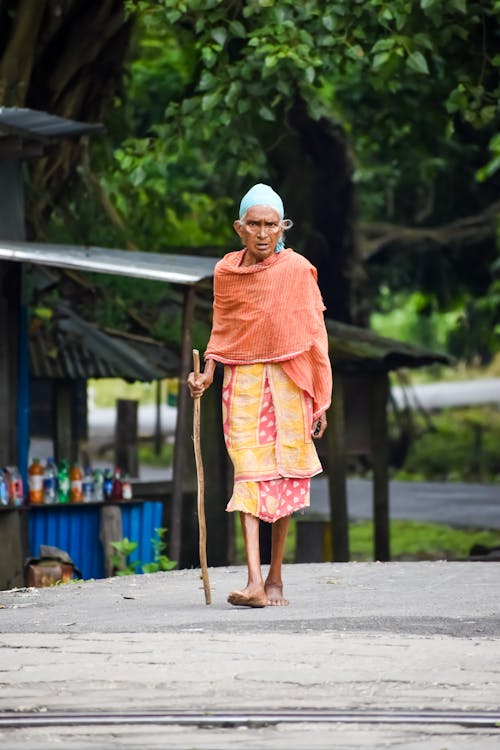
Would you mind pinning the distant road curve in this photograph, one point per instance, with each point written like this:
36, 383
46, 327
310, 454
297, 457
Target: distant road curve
443, 394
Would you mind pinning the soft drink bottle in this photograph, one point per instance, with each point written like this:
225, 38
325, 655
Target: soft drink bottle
35, 482
50, 482
116, 492
98, 486
126, 488
88, 486
15, 491
75, 484
4, 496
108, 484
63, 483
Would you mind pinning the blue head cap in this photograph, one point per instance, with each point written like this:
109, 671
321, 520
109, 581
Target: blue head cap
263, 195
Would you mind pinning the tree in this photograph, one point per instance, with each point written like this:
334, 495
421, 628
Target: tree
400, 98
64, 58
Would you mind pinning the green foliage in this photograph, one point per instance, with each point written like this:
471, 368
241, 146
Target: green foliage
402, 78
413, 318
206, 107
462, 446
161, 561
125, 548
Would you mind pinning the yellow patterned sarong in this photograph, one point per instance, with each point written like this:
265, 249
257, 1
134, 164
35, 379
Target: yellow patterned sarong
267, 423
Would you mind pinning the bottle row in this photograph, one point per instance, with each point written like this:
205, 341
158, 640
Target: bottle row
50, 484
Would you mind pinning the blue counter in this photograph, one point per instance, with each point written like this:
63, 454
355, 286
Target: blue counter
75, 529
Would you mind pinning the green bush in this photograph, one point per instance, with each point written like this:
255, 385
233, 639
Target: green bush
463, 445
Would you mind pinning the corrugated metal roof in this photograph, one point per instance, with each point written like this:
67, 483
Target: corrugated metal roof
36, 125
176, 269
359, 349
72, 348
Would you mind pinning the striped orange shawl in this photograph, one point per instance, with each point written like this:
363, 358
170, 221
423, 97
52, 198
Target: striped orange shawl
272, 312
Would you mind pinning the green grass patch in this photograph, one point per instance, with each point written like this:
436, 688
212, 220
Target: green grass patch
410, 541
413, 540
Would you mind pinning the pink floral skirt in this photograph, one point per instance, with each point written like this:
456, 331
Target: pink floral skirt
267, 428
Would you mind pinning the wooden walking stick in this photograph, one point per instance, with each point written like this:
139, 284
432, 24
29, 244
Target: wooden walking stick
201, 486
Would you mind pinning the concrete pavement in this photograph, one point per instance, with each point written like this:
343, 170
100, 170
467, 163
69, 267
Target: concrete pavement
360, 637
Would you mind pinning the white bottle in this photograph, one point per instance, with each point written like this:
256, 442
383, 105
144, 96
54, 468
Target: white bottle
50, 482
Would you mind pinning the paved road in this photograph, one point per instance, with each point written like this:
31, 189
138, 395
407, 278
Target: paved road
466, 505
362, 637
445, 394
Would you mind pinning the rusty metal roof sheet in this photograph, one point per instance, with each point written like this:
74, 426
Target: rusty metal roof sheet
41, 126
360, 349
72, 348
176, 269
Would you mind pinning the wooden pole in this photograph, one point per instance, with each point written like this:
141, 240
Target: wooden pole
181, 428
201, 486
337, 474
380, 457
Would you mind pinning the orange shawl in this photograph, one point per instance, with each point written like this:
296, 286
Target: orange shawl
272, 312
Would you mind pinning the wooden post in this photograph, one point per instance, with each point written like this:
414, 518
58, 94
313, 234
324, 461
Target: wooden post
126, 439
380, 453
337, 473
181, 426
158, 431
110, 531
64, 441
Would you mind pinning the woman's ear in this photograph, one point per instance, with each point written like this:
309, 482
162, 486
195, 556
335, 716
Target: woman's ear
238, 228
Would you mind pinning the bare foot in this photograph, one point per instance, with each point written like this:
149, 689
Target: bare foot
274, 592
248, 597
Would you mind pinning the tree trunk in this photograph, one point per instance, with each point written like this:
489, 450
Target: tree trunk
64, 58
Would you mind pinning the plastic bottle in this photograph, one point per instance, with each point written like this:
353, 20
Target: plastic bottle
75, 484
63, 483
15, 490
116, 492
98, 486
88, 486
35, 482
126, 488
50, 482
107, 484
4, 496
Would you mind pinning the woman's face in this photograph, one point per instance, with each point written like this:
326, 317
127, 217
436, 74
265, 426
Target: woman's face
259, 229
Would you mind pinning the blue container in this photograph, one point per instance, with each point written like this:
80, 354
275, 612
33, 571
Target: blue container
75, 529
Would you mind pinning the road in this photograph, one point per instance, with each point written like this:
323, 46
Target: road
452, 503
441, 395
397, 646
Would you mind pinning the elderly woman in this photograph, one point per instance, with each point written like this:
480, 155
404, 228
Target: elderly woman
269, 333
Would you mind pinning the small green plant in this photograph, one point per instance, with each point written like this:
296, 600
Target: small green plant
124, 549
161, 561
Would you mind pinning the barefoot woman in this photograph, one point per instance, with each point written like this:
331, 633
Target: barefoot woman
269, 333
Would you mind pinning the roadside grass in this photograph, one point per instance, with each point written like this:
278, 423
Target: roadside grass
462, 446
410, 541
414, 540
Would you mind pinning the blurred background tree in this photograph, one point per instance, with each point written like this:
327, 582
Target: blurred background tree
377, 121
